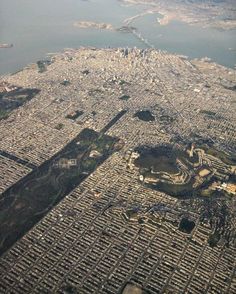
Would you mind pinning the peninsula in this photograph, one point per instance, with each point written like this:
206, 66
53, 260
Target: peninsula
118, 175
202, 13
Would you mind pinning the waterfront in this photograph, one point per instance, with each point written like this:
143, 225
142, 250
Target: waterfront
21, 24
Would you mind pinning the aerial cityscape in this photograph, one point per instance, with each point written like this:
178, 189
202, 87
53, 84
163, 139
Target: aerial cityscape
118, 163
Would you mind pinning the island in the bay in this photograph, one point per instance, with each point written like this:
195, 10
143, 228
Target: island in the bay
93, 25
6, 45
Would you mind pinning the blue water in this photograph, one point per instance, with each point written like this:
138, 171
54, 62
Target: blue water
39, 27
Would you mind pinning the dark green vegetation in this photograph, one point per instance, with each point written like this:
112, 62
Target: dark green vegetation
208, 112
124, 97
171, 170
85, 72
14, 99
3, 114
181, 191
158, 159
214, 239
42, 65
211, 114
232, 88
163, 159
186, 225
226, 158
201, 141
65, 83
132, 212
75, 115
67, 288
59, 126
145, 115
217, 212
31, 198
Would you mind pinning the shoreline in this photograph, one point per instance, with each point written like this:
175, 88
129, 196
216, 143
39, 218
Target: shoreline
199, 14
31, 65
